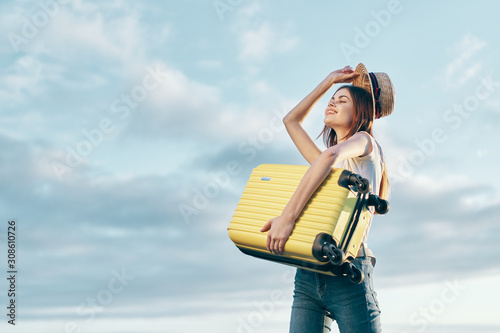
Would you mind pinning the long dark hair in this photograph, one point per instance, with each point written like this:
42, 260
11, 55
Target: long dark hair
362, 121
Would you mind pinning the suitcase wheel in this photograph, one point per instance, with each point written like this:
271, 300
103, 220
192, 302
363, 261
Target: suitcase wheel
364, 187
354, 274
381, 205
361, 184
334, 254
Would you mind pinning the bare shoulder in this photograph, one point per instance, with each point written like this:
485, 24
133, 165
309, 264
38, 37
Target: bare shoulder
357, 145
364, 141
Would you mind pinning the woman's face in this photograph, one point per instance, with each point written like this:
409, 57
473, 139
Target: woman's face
339, 113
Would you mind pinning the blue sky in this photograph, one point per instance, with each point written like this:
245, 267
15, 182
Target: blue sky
128, 130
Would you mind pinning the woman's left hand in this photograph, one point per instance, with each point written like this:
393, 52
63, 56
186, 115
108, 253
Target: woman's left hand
280, 229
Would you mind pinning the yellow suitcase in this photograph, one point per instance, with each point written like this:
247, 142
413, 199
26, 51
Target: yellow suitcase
329, 231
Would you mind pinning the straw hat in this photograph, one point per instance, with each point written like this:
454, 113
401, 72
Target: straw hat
379, 85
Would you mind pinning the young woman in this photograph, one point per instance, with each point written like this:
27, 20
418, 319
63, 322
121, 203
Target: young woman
349, 116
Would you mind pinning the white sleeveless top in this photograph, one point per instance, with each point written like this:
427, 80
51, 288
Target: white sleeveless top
370, 167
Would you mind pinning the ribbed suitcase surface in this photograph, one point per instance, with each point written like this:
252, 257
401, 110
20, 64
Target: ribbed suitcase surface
329, 211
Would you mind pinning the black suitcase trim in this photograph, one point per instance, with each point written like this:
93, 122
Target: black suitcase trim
327, 267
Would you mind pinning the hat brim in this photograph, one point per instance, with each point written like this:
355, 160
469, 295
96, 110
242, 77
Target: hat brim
364, 81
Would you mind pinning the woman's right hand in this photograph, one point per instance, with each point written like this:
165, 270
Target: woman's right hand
344, 75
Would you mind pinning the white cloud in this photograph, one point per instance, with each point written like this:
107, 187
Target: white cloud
464, 67
177, 100
255, 45
258, 44
29, 76
493, 105
23, 75
78, 35
95, 34
209, 64
198, 108
465, 305
10, 22
251, 10
427, 185
261, 40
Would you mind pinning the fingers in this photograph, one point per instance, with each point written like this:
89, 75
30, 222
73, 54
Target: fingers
350, 73
268, 243
349, 77
347, 69
276, 237
271, 243
345, 75
281, 246
352, 76
266, 226
275, 245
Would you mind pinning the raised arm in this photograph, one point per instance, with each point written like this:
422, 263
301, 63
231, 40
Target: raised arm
293, 120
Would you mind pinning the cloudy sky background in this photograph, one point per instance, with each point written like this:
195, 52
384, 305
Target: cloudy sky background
117, 117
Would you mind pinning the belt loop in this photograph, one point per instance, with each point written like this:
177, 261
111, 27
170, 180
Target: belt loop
363, 253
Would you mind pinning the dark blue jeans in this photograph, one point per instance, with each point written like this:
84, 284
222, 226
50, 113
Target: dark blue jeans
353, 306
